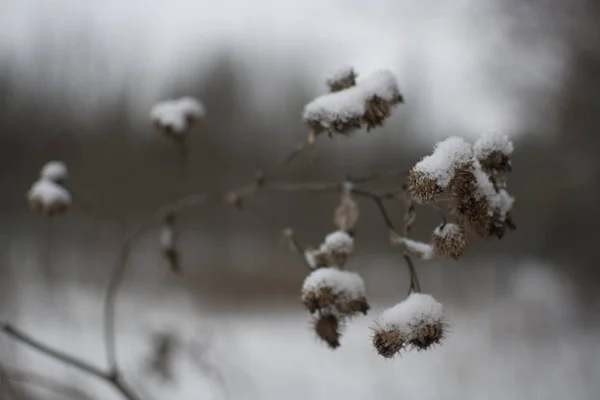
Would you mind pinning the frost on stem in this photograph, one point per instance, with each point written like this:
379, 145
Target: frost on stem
432, 175
418, 321
368, 103
55, 171
334, 290
413, 248
175, 117
347, 212
479, 204
493, 151
340, 79
449, 240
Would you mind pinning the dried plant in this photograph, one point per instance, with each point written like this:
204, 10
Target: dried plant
472, 177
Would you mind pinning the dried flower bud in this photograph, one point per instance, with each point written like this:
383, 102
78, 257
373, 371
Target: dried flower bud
341, 79
346, 214
48, 198
366, 104
417, 321
477, 202
448, 240
326, 289
420, 250
339, 245
387, 342
328, 328
493, 151
176, 117
433, 174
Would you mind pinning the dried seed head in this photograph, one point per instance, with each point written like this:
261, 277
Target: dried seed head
432, 175
449, 240
326, 289
418, 320
317, 299
423, 189
176, 117
328, 328
367, 103
478, 203
341, 79
388, 342
48, 198
338, 242
350, 307
346, 214
493, 152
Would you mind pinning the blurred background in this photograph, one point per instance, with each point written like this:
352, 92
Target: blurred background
77, 81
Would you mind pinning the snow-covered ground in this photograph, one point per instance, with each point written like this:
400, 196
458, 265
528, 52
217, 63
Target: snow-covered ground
525, 345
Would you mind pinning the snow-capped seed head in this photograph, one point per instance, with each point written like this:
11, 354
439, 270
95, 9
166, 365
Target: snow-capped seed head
365, 104
350, 307
346, 214
340, 79
432, 175
176, 117
449, 240
338, 242
316, 258
318, 299
48, 198
328, 288
493, 150
420, 250
328, 328
419, 320
388, 342
55, 171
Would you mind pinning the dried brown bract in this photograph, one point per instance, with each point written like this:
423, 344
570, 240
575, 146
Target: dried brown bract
351, 307
318, 298
423, 189
427, 334
341, 79
387, 342
449, 240
328, 329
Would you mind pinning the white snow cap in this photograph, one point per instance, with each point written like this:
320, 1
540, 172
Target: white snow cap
55, 171
346, 282
48, 193
448, 230
416, 309
423, 251
349, 104
338, 242
447, 155
492, 142
176, 114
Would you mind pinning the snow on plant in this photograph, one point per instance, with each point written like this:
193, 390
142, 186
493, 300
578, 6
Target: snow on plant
48, 195
449, 240
177, 116
55, 171
471, 180
340, 79
335, 291
367, 104
417, 322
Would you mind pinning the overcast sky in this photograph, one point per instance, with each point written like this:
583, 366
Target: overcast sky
463, 57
